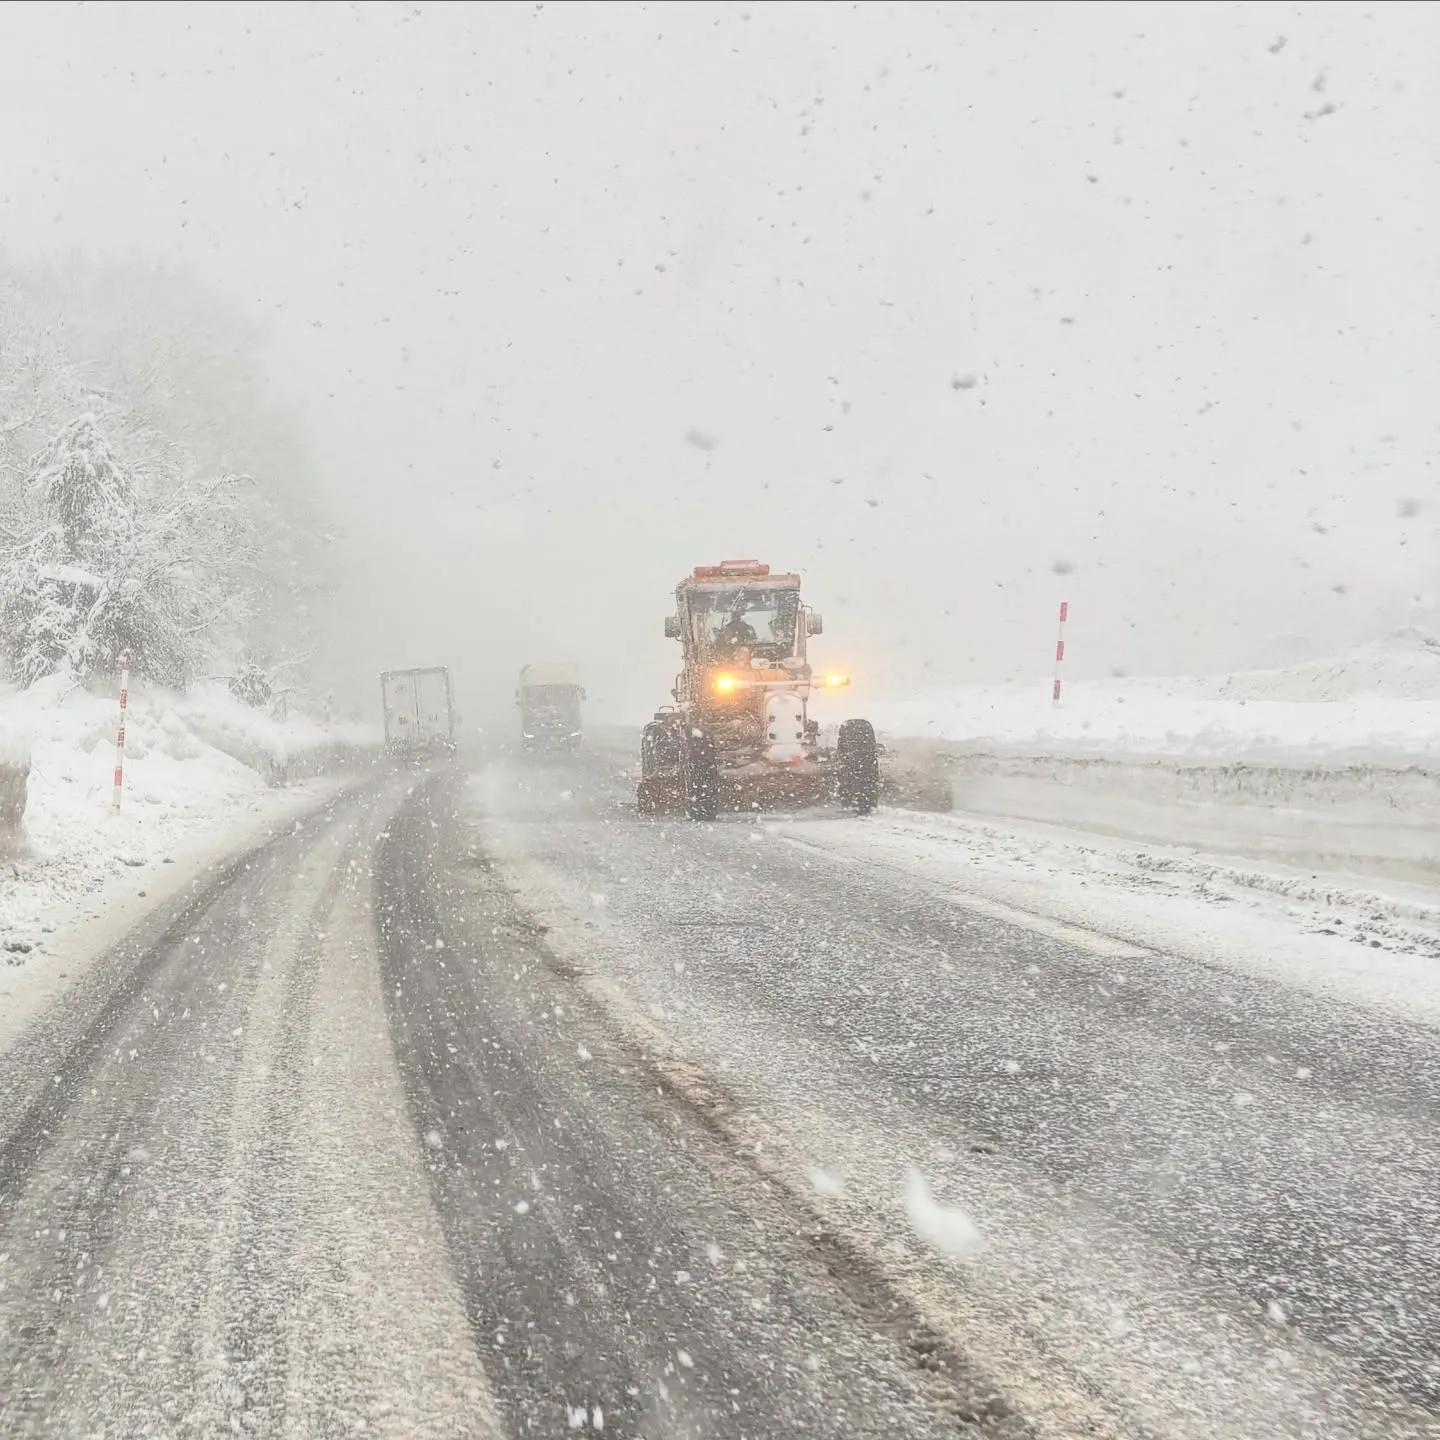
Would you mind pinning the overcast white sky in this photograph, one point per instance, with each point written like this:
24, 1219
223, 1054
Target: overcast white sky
515, 254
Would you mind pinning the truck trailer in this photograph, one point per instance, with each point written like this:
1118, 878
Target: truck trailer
549, 698
419, 712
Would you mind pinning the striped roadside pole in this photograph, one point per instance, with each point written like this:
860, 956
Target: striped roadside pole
1060, 650
120, 733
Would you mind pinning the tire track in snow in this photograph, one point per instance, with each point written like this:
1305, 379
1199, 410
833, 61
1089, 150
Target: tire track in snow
257, 1248
643, 1231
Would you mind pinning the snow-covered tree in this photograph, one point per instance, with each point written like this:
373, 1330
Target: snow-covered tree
41, 610
251, 685
118, 568
177, 360
86, 492
131, 417
112, 568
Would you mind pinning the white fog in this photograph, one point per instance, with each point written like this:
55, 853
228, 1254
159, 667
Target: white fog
511, 257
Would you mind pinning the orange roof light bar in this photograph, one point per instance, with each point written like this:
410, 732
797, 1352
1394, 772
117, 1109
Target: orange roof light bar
730, 567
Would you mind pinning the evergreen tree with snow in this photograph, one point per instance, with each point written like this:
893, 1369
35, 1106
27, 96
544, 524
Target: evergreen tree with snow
55, 587
86, 493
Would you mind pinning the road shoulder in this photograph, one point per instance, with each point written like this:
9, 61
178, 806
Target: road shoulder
27, 992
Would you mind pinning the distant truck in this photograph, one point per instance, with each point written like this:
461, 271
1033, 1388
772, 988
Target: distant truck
419, 709
549, 698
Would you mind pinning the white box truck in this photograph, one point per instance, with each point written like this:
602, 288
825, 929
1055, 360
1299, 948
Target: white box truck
419, 710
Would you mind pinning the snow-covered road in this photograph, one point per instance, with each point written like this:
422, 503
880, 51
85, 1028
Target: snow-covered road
329, 1146
483, 1106
213, 1217
1201, 1138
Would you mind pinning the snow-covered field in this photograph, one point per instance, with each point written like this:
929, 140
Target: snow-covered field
1377, 704
196, 767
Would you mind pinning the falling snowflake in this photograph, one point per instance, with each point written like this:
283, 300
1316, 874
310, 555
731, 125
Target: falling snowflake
946, 1227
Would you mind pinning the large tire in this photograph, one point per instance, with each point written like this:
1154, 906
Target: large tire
660, 746
700, 772
858, 758
661, 789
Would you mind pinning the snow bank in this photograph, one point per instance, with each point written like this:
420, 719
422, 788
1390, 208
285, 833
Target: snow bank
194, 766
14, 776
1377, 705
14, 781
290, 748
1359, 819
14, 744
1406, 666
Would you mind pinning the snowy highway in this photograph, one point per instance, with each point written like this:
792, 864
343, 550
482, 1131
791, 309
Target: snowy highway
478, 1105
440, 442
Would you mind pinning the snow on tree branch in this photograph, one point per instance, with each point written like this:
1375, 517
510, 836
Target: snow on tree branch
124, 522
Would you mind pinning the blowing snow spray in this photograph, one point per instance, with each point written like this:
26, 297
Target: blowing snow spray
1060, 650
120, 732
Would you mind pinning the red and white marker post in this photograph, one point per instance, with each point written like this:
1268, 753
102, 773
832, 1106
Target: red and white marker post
120, 733
1060, 649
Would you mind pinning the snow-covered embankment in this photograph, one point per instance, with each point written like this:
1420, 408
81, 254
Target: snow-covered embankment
14, 775
1333, 764
198, 767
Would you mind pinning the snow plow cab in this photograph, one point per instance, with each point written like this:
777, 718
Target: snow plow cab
739, 735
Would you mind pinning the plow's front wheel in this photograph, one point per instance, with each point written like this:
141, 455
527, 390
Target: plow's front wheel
701, 775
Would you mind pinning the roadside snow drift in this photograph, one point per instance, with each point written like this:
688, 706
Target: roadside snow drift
195, 766
1378, 705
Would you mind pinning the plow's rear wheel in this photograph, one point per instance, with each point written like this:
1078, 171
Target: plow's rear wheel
700, 772
858, 758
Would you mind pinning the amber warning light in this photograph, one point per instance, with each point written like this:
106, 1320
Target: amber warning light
728, 684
